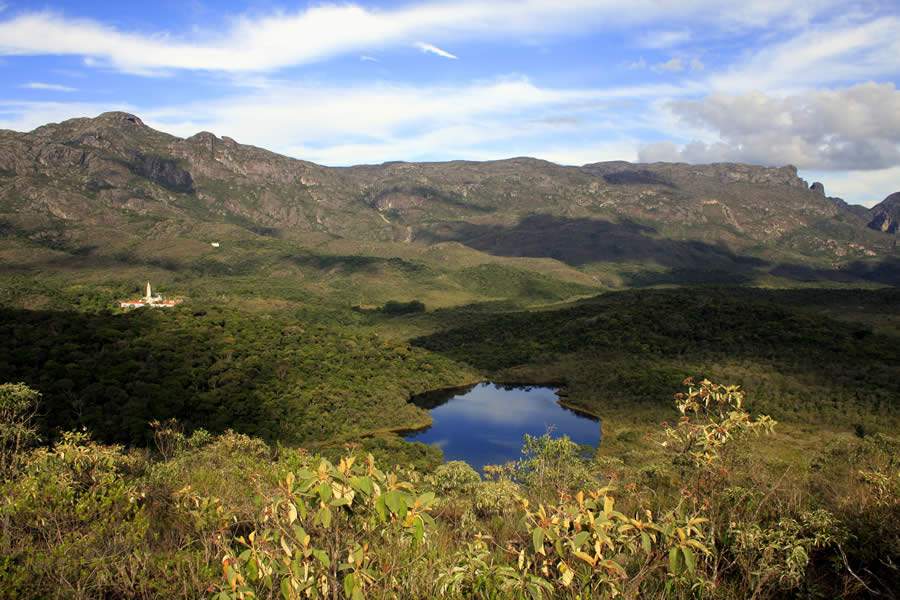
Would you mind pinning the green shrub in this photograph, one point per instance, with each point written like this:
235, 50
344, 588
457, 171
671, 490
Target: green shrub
18, 430
454, 478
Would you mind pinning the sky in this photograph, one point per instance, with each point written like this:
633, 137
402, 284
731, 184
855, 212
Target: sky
812, 83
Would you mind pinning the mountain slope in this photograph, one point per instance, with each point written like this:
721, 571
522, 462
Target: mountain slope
114, 197
886, 214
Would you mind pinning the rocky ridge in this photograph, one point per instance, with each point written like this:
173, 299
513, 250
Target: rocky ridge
115, 172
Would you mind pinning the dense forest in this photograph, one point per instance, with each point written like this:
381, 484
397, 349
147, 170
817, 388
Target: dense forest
624, 350
287, 377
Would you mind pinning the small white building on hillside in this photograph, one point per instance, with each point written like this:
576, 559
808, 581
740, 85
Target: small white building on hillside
149, 299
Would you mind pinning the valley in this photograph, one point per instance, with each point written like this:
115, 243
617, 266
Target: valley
315, 303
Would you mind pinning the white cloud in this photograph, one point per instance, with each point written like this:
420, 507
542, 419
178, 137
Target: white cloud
673, 65
283, 39
432, 49
367, 58
859, 187
374, 123
338, 125
676, 64
835, 53
50, 87
640, 63
25, 116
664, 39
855, 128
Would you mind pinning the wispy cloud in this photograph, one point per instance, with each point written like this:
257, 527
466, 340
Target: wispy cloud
432, 49
27, 115
676, 64
340, 125
673, 65
833, 53
664, 39
278, 40
367, 58
50, 87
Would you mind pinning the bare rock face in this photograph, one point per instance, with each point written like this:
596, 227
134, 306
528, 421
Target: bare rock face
886, 214
786, 176
163, 171
726, 173
817, 188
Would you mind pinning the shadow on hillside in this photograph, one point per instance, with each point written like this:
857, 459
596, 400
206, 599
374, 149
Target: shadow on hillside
581, 241
348, 263
114, 373
639, 177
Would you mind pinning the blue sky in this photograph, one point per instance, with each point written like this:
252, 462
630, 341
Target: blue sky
811, 82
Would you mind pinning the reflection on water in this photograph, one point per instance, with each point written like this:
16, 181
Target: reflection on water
484, 424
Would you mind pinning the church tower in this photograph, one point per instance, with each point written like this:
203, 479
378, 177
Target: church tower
149, 292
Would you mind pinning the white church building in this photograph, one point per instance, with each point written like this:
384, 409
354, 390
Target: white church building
149, 299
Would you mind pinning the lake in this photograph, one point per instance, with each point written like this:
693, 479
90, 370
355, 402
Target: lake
484, 424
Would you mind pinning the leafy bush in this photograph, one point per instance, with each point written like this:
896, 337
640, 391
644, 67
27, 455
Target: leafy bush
18, 430
319, 534
712, 417
454, 477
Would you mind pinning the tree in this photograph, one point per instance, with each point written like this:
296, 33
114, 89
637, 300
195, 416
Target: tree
18, 407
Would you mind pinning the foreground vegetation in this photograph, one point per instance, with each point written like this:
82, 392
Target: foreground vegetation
229, 516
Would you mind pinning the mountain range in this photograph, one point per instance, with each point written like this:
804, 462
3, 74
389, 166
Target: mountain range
112, 199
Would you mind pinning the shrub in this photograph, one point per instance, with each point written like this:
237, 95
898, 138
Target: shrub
554, 465
712, 417
319, 534
453, 478
18, 406
494, 498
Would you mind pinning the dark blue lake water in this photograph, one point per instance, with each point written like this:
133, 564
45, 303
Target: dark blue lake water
484, 424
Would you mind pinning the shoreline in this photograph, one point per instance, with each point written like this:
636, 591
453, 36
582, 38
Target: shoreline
426, 422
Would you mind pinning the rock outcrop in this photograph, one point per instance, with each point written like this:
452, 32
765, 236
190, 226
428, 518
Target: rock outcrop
886, 214
163, 171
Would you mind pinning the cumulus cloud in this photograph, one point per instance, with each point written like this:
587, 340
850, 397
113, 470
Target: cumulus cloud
50, 87
854, 128
282, 39
432, 49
